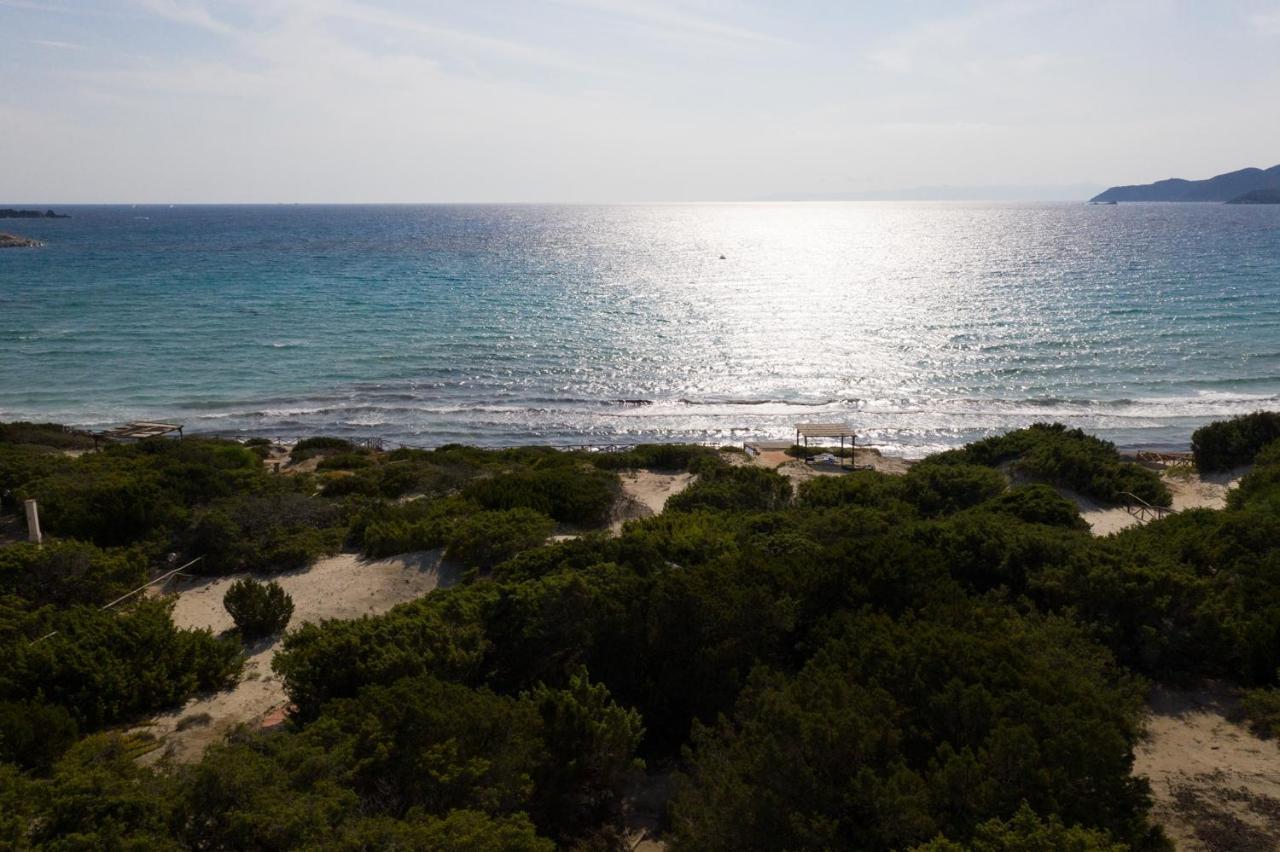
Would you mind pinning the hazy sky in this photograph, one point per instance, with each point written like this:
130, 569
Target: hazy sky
584, 100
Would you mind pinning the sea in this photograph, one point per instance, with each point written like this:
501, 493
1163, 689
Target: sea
922, 325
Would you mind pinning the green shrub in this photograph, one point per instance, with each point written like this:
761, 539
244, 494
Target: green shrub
52, 435
1027, 832
264, 532
67, 573
590, 748
943, 489
1017, 709
1068, 458
34, 735
346, 461
801, 451
725, 487
484, 539
386, 529
141, 492
1038, 504
1230, 443
258, 609
1262, 708
571, 495
107, 667
653, 457
22, 464
857, 488
441, 634
320, 445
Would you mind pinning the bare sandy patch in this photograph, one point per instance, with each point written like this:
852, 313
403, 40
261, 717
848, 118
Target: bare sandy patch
343, 586
645, 493
1101, 518
1190, 490
798, 470
1216, 785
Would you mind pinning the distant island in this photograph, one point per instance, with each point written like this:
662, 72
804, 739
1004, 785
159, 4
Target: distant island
10, 213
1227, 187
1258, 196
15, 241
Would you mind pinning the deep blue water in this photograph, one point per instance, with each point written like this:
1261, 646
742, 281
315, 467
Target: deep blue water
924, 325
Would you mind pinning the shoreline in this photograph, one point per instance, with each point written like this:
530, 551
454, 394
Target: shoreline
1128, 452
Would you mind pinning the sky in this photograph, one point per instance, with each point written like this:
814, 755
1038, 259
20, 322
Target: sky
236, 101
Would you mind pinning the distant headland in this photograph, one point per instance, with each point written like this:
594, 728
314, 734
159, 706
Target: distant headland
1258, 196
1232, 186
10, 213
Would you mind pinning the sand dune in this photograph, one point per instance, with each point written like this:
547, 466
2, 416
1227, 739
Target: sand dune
1190, 491
1216, 785
343, 586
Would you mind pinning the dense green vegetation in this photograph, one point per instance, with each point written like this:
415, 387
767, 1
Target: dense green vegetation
258, 609
1230, 443
938, 661
1069, 458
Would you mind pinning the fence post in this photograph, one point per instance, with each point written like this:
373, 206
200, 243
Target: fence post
33, 522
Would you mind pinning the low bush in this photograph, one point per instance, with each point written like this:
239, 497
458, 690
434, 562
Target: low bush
1262, 708
577, 495
1068, 458
264, 532
859, 488
67, 573
943, 489
107, 667
320, 445
1038, 504
52, 435
732, 488
653, 457
483, 539
258, 609
386, 529
1027, 832
800, 451
1230, 443
22, 464
346, 461
33, 734
141, 492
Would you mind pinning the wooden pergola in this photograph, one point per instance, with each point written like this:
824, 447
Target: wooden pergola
137, 432
805, 431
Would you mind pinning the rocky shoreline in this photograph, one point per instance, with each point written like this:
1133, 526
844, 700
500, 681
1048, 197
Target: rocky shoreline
15, 241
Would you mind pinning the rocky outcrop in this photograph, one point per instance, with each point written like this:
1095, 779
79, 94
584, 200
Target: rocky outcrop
14, 241
10, 213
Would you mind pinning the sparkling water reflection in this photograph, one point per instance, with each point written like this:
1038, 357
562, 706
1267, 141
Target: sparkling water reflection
923, 324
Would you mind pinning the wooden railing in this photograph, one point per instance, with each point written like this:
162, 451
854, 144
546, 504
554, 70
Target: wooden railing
1142, 510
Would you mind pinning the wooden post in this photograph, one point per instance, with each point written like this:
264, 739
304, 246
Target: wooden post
33, 522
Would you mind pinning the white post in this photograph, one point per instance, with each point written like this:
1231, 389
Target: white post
33, 521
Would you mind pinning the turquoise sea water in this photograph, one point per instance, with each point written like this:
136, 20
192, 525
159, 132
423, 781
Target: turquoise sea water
924, 325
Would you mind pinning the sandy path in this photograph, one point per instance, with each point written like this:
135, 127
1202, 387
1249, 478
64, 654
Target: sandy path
1216, 785
1190, 491
343, 586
